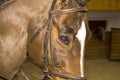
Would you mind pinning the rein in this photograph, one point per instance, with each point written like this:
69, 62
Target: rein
47, 74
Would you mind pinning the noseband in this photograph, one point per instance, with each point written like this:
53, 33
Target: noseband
48, 35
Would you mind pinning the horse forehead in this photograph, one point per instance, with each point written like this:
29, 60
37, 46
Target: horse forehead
69, 18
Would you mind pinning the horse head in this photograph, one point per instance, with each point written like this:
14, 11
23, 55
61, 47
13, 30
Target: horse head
65, 46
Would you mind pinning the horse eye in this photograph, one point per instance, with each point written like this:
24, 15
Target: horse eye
64, 39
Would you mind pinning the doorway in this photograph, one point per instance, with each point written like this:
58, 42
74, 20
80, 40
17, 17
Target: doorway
97, 47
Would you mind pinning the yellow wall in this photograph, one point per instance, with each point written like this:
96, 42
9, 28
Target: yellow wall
109, 5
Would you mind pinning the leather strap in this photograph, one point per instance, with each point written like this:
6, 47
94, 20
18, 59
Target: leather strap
66, 11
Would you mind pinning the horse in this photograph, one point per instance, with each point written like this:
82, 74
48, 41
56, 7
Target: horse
51, 33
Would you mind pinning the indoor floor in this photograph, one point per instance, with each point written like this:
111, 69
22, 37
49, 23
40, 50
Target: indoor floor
102, 69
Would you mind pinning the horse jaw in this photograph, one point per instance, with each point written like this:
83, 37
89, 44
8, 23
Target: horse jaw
81, 35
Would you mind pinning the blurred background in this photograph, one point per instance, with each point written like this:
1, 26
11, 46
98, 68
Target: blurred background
103, 50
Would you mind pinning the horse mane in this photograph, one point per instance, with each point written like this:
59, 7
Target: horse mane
5, 3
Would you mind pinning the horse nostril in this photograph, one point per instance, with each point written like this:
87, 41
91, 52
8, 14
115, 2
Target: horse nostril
64, 39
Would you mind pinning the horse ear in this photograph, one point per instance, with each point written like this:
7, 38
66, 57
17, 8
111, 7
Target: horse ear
82, 2
85, 1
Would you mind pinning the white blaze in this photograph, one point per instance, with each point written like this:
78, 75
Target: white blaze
81, 35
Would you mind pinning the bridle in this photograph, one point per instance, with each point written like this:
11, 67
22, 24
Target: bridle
47, 74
